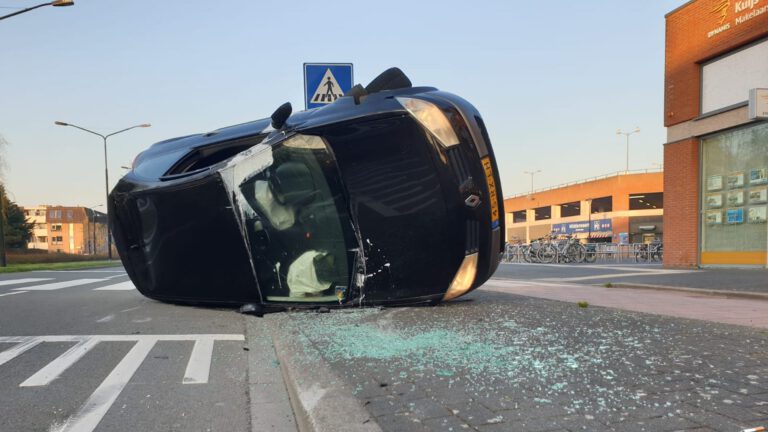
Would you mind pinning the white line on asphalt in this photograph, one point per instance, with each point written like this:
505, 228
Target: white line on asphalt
107, 318
199, 365
125, 338
26, 343
12, 293
90, 414
55, 368
82, 271
610, 276
122, 286
131, 309
21, 281
59, 285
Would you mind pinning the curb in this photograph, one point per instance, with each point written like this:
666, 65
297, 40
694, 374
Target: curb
321, 400
702, 291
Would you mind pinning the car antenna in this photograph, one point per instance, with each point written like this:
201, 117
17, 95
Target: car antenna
281, 114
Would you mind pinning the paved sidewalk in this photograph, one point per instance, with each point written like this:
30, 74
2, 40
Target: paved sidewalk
732, 280
671, 303
500, 362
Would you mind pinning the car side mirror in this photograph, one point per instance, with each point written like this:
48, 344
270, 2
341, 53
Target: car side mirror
281, 114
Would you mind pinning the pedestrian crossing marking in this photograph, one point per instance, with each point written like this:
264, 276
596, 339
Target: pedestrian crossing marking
59, 285
122, 286
89, 415
12, 293
93, 410
21, 281
199, 365
25, 344
328, 90
55, 368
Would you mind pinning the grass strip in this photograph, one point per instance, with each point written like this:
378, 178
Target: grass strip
15, 268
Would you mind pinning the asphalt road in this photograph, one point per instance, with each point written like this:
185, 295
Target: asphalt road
83, 351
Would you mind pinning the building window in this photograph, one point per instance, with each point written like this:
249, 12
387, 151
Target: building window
646, 201
734, 185
570, 209
602, 205
519, 216
543, 213
57, 240
55, 227
726, 81
42, 239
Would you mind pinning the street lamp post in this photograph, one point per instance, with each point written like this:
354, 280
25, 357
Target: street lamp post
532, 173
627, 134
57, 3
106, 169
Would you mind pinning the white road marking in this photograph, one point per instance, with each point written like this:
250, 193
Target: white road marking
199, 365
55, 368
12, 293
21, 281
59, 285
90, 414
107, 318
131, 309
122, 286
82, 271
25, 343
615, 275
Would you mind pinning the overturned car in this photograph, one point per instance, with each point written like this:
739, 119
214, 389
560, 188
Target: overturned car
389, 195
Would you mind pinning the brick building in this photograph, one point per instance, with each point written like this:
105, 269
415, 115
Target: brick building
614, 208
74, 230
716, 156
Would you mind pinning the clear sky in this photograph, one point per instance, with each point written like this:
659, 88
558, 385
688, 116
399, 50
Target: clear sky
553, 80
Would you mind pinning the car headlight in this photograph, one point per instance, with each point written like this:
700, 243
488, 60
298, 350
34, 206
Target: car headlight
464, 278
432, 118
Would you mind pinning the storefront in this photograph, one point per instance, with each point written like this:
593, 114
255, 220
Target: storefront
716, 155
735, 183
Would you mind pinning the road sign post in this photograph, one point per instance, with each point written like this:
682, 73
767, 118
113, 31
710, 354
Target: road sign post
324, 83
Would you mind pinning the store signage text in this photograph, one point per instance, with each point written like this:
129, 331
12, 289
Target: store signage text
595, 226
747, 8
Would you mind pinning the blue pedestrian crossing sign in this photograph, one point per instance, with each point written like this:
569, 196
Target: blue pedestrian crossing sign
325, 82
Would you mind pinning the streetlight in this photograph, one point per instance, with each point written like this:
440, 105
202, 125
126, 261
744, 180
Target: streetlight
627, 134
532, 173
106, 169
56, 3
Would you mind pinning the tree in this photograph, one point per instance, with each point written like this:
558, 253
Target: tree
17, 230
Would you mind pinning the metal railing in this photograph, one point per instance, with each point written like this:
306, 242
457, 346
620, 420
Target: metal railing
587, 180
595, 252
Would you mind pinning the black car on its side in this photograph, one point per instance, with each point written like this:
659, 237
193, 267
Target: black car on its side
389, 195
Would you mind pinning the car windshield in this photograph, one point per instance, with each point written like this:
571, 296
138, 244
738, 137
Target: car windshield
294, 218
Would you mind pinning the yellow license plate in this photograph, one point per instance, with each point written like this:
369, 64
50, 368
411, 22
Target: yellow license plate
491, 191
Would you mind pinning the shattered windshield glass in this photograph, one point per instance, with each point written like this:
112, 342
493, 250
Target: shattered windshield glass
294, 219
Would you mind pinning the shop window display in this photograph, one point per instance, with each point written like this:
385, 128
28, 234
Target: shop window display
734, 185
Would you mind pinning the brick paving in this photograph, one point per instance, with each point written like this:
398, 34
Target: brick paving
501, 362
673, 303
